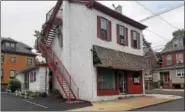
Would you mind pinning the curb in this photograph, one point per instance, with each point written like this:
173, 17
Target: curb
135, 109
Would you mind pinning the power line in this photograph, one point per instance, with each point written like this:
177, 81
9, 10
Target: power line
158, 16
163, 12
157, 34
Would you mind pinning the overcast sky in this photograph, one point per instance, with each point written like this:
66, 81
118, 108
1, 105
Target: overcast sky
19, 19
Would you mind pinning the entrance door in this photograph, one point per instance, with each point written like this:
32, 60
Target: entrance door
122, 83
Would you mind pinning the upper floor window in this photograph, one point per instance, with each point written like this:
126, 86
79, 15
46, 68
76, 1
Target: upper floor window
13, 59
103, 28
7, 45
168, 60
12, 45
122, 35
29, 61
135, 39
179, 58
175, 43
12, 73
2, 59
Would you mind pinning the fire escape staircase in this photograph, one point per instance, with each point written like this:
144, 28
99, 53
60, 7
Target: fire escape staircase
70, 91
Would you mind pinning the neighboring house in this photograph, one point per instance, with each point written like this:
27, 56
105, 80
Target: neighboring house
150, 62
14, 56
34, 78
172, 71
97, 51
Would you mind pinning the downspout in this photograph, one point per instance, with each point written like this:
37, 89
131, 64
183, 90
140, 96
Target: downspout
46, 80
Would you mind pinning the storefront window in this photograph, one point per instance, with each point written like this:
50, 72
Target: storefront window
137, 78
107, 79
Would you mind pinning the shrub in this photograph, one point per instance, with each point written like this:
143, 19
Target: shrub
35, 94
14, 84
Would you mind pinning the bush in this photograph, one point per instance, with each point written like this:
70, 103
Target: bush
14, 84
35, 94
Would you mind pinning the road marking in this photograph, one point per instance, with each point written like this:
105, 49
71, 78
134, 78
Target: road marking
35, 104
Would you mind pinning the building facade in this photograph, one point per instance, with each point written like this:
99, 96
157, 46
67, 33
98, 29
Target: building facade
100, 48
15, 56
171, 73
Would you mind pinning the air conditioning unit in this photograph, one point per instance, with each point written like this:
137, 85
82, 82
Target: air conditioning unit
122, 41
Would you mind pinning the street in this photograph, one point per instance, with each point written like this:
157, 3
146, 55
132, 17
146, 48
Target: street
177, 105
12, 103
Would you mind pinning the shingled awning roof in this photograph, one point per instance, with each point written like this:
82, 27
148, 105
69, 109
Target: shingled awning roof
104, 57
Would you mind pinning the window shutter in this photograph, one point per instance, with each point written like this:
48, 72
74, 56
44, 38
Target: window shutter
131, 32
98, 27
126, 36
138, 40
118, 37
109, 32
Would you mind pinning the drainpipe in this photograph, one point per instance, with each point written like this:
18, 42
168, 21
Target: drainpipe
46, 80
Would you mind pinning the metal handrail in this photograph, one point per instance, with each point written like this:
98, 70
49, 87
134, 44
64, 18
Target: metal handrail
70, 82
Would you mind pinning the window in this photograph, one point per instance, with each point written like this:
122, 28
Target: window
179, 58
180, 73
13, 59
7, 45
12, 45
2, 59
103, 28
12, 73
106, 79
1, 73
29, 61
168, 60
175, 43
32, 76
122, 35
136, 78
135, 40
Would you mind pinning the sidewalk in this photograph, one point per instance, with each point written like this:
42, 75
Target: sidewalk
181, 90
129, 104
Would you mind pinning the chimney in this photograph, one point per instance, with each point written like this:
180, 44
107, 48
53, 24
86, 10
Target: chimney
118, 9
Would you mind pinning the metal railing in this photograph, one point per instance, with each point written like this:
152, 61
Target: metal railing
51, 56
59, 14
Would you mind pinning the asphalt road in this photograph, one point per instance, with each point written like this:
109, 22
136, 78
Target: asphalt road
177, 105
12, 103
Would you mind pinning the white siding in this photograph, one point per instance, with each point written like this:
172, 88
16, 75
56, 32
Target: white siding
39, 84
34, 86
79, 34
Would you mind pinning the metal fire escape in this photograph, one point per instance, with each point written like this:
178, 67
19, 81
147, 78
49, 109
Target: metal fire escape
69, 89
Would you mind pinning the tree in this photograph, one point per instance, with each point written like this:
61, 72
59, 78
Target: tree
179, 32
37, 33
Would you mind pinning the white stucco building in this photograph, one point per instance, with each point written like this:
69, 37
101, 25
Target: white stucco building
99, 48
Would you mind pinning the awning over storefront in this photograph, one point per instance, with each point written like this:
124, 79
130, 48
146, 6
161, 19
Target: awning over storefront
104, 57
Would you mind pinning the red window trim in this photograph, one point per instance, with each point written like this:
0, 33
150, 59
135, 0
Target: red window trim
109, 29
138, 40
125, 32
